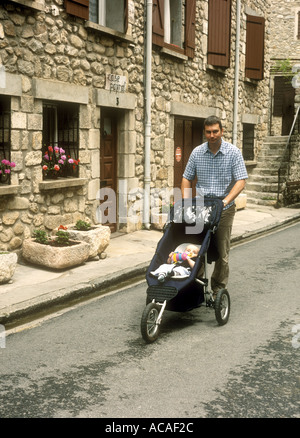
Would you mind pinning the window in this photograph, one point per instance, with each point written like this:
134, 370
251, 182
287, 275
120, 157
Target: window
4, 136
255, 31
61, 129
248, 142
219, 28
107, 13
174, 25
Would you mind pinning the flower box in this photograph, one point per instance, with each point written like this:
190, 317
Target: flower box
55, 257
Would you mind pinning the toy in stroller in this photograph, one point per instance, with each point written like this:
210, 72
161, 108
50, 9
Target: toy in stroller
196, 222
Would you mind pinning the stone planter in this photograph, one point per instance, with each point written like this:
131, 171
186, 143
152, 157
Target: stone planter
97, 238
8, 263
240, 201
55, 257
158, 220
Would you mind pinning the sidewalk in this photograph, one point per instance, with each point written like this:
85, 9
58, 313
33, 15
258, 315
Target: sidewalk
35, 290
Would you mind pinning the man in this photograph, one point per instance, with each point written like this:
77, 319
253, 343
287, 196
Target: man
221, 172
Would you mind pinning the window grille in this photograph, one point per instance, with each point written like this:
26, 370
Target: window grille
61, 128
5, 135
248, 142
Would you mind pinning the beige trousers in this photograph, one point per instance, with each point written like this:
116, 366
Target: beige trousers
219, 278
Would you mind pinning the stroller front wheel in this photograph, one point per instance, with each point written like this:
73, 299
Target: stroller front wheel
149, 325
222, 306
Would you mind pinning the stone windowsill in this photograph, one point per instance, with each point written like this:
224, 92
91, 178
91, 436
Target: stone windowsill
251, 162
8, 190
251, 81
36, 5
62, 183
111, 32
174, 54
212, 68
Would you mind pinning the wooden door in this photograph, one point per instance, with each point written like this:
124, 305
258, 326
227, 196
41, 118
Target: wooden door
187, 135
108, 162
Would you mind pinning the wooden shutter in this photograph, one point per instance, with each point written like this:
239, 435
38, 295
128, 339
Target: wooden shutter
79, 8
190, 18
125, 15
158, 22
219, 26
255, 47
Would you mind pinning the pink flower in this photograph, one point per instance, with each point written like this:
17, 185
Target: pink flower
6, 170
45, 167
56, 167
12, 164
70, 160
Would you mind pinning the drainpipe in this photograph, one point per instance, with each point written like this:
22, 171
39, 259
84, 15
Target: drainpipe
236, 72
147, 176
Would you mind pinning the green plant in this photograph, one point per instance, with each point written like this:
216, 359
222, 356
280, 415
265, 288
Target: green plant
41, 236
82, 225
62, 238
284, 67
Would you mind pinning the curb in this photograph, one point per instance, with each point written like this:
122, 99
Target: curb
51, 302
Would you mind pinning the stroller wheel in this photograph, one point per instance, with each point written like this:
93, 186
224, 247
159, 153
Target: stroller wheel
222, 306
149, 325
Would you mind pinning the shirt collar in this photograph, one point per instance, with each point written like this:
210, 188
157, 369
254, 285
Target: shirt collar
223, 148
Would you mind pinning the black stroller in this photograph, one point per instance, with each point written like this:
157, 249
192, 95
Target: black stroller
195, 222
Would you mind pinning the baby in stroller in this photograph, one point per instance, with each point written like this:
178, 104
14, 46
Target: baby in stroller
179, 263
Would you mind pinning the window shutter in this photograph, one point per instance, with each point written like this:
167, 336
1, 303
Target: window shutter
79, 8
190, 17
158, 22
219, 26
125, 15
255, 47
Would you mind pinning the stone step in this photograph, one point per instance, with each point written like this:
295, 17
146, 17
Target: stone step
262, 198
276, 139
263, 179
257, 201
262, 187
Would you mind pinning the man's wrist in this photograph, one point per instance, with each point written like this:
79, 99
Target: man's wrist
225, 202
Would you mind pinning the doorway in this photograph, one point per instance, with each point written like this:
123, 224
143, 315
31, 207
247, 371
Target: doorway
108, 160
284, 102
188, 133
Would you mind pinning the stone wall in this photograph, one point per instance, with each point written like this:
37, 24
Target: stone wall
50, 55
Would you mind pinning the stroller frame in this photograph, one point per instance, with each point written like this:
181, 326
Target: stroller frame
184, 294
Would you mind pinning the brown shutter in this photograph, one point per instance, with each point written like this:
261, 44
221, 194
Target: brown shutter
79, 8
255, 47
158, 22
219, 26
125, 15
190, 17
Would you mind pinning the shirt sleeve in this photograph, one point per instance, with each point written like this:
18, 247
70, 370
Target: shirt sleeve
239, 170
190, 169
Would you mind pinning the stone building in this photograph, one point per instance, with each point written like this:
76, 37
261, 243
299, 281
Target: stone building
275, 177
74, 76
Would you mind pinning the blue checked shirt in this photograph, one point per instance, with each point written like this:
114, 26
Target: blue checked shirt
216, 174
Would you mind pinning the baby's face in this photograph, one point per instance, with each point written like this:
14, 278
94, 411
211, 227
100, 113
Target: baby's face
191, 249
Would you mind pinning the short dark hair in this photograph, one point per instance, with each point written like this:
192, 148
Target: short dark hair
213, 120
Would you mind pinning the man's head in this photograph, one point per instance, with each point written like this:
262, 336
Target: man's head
213, 131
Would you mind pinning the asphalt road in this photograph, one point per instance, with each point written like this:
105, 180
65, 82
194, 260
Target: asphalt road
91, 361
